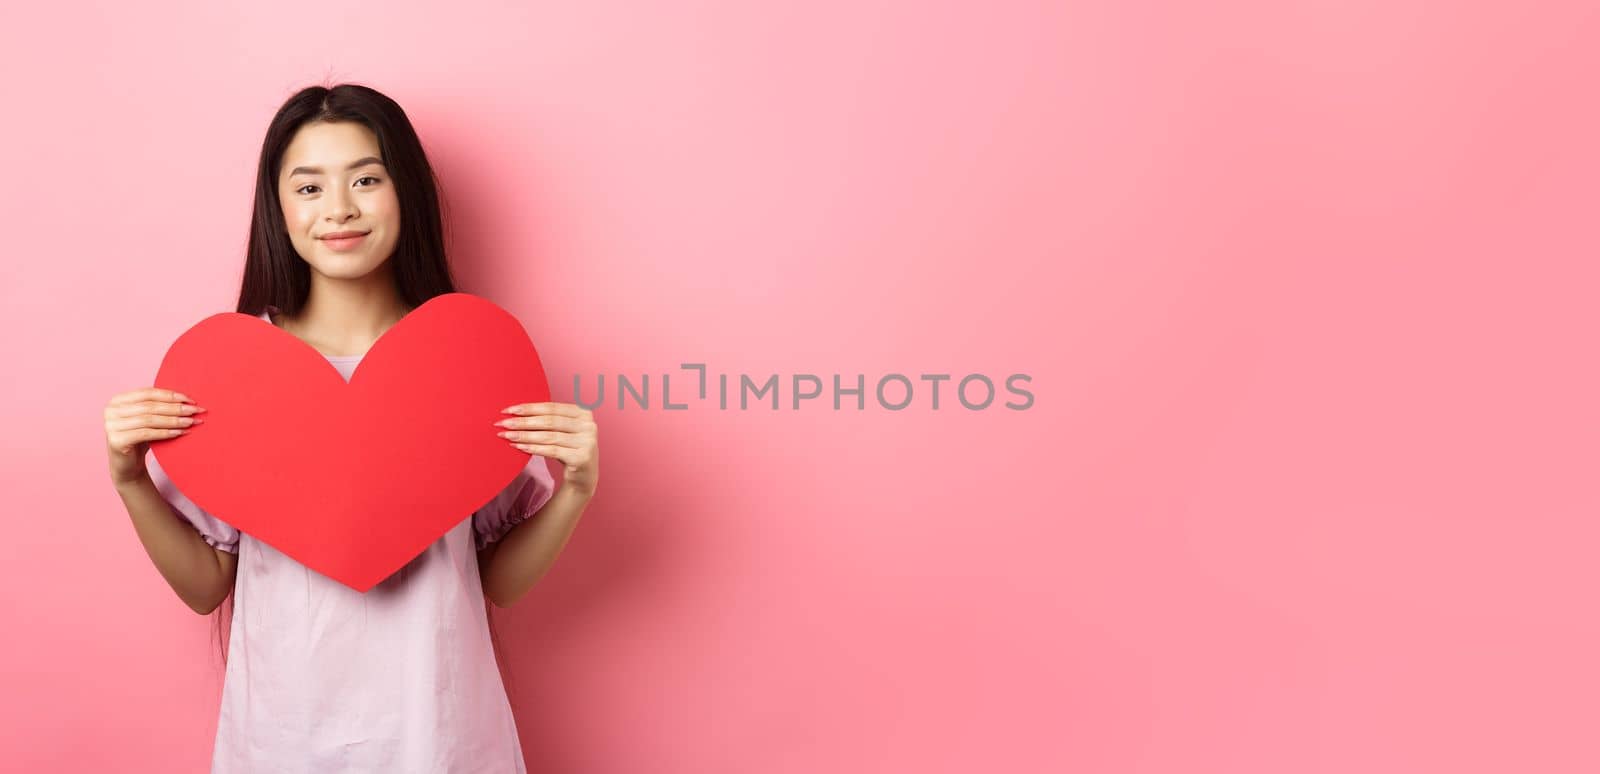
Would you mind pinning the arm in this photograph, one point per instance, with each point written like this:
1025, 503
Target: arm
201, 575
512, 565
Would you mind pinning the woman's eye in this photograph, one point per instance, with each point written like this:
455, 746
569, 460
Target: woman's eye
302, 189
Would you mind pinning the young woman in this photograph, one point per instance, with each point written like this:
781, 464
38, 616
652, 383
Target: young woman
346, 238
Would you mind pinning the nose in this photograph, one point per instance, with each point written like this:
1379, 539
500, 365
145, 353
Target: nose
342, 207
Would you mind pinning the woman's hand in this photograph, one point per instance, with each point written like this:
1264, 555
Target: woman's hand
137, 417
559, 430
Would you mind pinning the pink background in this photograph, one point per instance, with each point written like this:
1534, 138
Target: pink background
1306, 290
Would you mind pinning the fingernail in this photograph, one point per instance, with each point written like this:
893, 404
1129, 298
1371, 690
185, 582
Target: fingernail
199, 421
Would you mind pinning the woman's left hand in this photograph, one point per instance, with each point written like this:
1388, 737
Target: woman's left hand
562, 431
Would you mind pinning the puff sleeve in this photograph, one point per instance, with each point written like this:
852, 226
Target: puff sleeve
217, 533
523, 497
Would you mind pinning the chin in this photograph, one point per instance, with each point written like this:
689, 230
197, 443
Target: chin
345, 271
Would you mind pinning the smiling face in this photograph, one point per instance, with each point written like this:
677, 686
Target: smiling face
332, 181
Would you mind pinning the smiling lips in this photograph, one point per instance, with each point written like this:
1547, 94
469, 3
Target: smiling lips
343, 240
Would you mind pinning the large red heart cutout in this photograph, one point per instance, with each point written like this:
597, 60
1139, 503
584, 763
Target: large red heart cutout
355, 479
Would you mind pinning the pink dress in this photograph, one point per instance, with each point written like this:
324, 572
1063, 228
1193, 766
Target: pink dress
322, 678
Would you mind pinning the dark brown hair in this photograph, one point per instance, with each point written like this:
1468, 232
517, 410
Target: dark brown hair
274, 274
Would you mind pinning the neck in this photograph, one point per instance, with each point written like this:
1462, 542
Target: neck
345, 317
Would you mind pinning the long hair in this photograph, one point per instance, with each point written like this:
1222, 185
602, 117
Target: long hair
277, 276
274, 274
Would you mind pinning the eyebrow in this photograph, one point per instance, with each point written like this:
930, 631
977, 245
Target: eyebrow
354, 164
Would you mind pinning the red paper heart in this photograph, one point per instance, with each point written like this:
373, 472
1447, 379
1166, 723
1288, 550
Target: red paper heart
352, 480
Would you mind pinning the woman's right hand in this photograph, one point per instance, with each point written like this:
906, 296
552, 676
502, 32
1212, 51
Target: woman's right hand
137, 417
